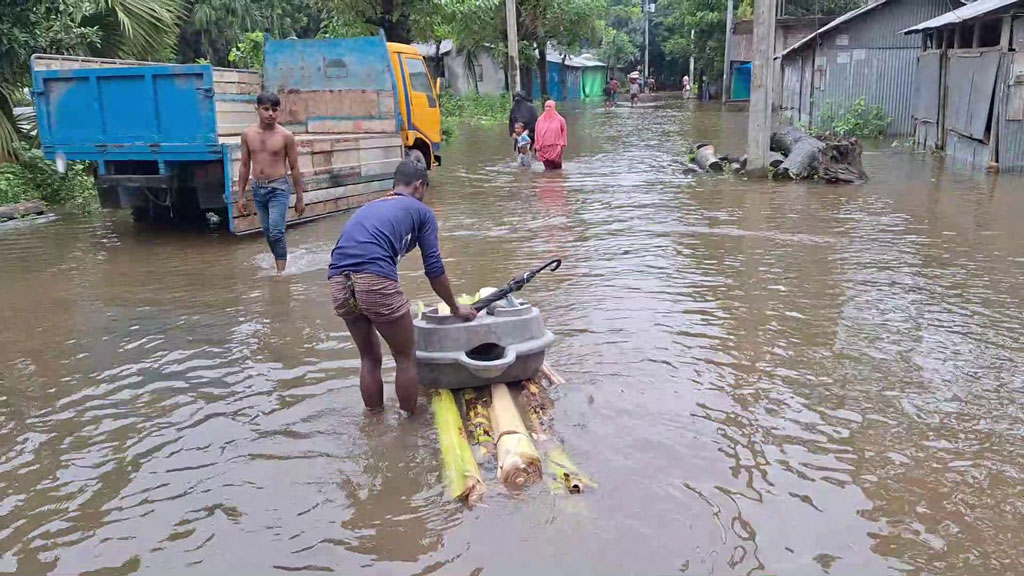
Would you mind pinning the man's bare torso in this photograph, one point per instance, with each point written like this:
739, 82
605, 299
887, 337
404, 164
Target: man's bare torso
267, 151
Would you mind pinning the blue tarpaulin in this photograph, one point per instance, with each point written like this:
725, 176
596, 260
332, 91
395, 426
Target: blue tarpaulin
741, 81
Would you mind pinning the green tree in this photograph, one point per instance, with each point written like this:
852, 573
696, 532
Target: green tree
114, 28
706, 18
365, 17
566, 23
617, 48
215, 27
623, 33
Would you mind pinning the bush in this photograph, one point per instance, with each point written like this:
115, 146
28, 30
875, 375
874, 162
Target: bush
857, 120
479, 109
35, 178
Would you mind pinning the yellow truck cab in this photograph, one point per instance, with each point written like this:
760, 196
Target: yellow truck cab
418, 104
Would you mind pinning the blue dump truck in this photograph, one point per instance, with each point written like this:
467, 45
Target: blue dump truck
165, 137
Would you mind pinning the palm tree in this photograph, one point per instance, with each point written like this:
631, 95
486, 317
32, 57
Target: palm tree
138, 29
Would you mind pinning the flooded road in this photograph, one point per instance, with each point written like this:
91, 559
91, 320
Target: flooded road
764, 379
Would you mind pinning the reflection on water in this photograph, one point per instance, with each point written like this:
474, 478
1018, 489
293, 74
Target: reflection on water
781, 378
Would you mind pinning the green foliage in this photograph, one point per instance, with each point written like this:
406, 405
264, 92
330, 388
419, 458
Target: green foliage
214, 27
248, 53
707, 20
478, 109
857, 120
143, 29
617, 49
799, 8
622, 36
346, 18
34, 178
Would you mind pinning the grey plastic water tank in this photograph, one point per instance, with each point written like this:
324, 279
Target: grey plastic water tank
505, 344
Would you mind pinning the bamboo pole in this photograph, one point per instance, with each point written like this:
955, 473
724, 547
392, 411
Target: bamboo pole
461, 474
552, 376
566, 475
518, 462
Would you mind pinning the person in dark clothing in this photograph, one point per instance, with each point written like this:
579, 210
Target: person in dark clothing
523, 111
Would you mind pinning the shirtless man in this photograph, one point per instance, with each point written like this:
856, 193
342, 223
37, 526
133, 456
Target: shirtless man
271, 151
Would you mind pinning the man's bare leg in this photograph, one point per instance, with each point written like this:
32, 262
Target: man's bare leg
371, 385
401, 339
280, 267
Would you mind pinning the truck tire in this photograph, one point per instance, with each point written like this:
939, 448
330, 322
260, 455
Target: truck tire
416, 156
140, 214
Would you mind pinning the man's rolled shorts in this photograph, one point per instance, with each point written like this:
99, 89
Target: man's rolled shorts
359, 295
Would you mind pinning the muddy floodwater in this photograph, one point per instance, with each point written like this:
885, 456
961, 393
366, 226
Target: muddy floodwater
780, 379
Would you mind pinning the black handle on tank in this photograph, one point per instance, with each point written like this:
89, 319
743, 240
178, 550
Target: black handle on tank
514, 285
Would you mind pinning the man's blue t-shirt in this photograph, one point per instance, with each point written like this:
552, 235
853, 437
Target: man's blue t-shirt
381, 232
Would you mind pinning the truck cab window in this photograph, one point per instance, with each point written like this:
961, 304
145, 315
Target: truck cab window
419, 80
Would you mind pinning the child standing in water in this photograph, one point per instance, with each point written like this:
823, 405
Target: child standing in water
523, 144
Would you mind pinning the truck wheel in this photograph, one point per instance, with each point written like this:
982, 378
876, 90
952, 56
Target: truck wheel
140, 214
416, 156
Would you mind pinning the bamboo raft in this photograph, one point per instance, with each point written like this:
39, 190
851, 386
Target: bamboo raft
499, 429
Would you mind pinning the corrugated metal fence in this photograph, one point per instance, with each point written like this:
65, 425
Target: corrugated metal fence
1011, 121
882, 76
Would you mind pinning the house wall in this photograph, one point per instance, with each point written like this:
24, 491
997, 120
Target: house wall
797, 79
1011, 120
970, 102
868, 58
490, 74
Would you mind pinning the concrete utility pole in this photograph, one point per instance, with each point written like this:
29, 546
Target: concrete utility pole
692, 79
727, 70
647, 25
513, 46
760, 122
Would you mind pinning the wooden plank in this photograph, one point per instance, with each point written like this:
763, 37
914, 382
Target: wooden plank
251, 222
382, 167
29, 208
234, 106
305, 106
251, 89
330, 125
334, 177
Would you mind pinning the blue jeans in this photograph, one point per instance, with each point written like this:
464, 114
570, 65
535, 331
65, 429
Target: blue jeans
271, 199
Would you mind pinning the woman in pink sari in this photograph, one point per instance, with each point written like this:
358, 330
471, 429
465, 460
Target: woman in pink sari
550, 137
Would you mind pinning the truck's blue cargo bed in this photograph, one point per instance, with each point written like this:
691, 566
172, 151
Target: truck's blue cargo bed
162, 113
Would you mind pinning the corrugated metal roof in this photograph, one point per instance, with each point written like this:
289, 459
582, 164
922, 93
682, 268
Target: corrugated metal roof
972, 10
835, 23
429, 49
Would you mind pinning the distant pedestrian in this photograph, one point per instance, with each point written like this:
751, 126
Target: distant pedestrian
551, 137
270, 152
686, 85
615, 91
523, 111
634, 92
523, 144
609, 97
650, 85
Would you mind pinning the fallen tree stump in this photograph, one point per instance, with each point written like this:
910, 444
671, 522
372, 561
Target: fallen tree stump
831, 160
13, 211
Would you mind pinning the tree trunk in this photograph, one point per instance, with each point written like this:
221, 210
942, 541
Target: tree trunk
835, 160
396, 27
459, 468
803, 153
518, 462
542, 68
526, 77
29, 208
